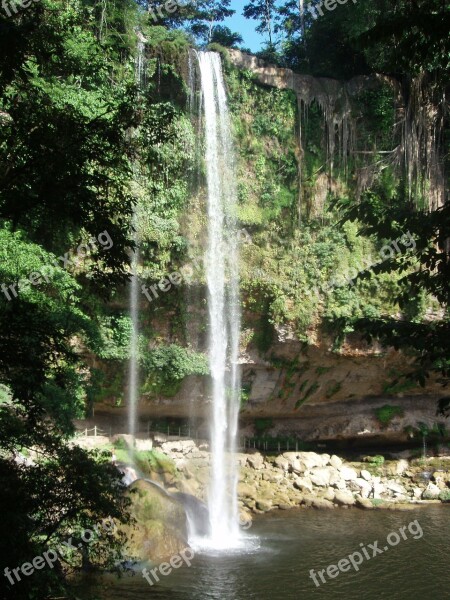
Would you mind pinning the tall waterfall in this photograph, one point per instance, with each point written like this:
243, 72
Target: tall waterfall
133, 369
223, 302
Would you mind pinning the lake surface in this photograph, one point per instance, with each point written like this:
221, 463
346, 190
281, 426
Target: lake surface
284, 546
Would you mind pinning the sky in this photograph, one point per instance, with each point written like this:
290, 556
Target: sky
246, 27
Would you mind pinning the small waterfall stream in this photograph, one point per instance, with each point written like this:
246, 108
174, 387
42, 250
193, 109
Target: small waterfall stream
133, 370
223, 302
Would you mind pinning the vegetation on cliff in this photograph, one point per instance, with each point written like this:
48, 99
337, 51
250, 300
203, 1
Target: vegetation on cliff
81, 145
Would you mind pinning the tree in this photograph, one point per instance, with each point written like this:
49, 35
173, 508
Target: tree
426, 272
68, 100
263, 11
198, 18
224, 36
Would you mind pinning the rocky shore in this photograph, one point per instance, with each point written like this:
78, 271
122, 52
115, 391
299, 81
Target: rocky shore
308, 479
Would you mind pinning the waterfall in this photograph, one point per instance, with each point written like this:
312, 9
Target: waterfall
133, 370
222, 275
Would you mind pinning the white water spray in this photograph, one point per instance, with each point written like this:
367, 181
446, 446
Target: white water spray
223, 302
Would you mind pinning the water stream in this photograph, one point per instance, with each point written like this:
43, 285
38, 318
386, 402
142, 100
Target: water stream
133, 370
223, 301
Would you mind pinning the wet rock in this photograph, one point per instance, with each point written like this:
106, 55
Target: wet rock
160, 530
321, 503
363, 503
264, 504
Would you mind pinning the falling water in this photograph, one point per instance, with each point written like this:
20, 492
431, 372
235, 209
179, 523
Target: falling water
223, 302
133, 371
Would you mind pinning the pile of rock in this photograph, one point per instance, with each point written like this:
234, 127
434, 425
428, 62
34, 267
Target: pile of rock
324, 481
308, 479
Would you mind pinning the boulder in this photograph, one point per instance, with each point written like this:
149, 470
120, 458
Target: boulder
401, 466
246, 490
321, 503
336, 478
282, 463
329, 494
256, 461
440, 479
310, 460
297, 467
320, 477
364, 486
366, 475
303, 483
335, 461
432, 492
344, 498
363, 503
417, 493
264, 505
160, 528
395, 487
348, 474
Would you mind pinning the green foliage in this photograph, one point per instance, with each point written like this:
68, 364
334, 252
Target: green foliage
263, 425
386, 413
116, 334
333, 389
245, 394
377, 501
169, 365
423, 271
444, 496
149, 462
308, 392
225, 37
375, 461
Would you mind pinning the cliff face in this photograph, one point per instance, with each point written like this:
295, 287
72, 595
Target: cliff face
297, 148
307, 390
